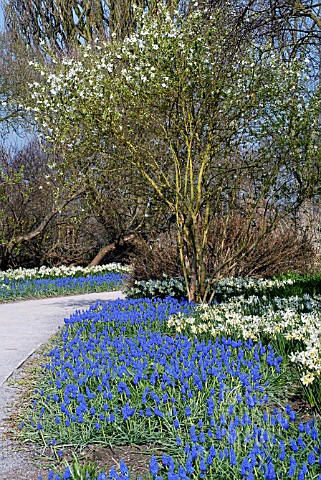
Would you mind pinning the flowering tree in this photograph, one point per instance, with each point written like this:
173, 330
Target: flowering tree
215, 128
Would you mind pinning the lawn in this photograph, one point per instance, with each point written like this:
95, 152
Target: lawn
199, 392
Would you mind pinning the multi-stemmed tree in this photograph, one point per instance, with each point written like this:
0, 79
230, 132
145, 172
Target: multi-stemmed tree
214, 127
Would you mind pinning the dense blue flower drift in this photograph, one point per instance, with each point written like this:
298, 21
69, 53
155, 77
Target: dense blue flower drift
118, 377
46, 287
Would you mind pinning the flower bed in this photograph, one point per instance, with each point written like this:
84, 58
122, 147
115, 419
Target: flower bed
61, 271
119, 376
292, 324
47, 282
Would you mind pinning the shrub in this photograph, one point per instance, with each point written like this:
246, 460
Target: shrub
154, 260
282, 250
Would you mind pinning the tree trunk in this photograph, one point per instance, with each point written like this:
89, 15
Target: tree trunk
110, 248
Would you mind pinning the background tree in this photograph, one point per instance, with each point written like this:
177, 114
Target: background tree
44, 221
62, 25
31, 196
15, 74
125, 209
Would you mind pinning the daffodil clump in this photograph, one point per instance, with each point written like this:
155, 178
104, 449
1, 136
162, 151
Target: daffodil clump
293, 323
160, 288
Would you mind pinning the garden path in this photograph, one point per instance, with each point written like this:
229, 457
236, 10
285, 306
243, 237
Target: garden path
24, 327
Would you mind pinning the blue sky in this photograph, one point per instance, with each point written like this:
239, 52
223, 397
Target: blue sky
1, 17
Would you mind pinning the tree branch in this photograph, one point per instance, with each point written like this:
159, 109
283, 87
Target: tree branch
10, 244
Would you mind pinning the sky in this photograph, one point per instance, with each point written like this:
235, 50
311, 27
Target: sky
1, 17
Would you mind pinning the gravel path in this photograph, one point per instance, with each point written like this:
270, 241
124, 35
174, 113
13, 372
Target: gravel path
24, 327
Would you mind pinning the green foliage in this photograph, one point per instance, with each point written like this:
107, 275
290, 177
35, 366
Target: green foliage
306, 283
82, 470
